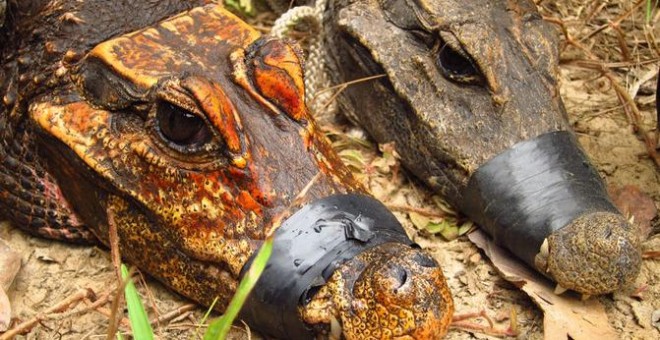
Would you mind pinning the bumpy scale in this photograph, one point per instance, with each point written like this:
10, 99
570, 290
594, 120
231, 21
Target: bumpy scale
461, 85
188, 131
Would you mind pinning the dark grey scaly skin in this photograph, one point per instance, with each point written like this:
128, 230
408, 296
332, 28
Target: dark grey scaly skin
465, 81
185, 130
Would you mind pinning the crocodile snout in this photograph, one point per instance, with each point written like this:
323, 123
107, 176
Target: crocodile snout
392, 290
409, 290
595, 254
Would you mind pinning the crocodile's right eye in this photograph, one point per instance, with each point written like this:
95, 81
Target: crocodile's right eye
180, 127
456, 66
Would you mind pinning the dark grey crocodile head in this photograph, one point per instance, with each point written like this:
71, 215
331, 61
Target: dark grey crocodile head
466, 82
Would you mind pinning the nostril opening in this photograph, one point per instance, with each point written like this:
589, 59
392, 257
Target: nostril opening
401, 276
424, 260
608, 233
309, 294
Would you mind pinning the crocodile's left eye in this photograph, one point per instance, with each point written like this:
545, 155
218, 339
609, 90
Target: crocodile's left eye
456, 66
181, 127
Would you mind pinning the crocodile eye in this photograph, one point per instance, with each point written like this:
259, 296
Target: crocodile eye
457, 67
181, 127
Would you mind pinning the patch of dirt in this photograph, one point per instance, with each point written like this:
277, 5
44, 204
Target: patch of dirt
609, 49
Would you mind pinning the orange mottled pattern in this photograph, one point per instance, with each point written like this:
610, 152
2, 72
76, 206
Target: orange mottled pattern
222, 113
192, 138
278, 77
391, 291
193, 215
189, 38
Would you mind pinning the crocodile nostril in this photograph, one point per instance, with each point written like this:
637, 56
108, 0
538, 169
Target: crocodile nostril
400, 275
309, 294
424, 260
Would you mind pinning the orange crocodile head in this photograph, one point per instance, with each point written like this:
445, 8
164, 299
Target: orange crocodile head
192, 139
191, 136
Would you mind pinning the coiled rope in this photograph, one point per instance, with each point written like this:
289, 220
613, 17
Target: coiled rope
316, 76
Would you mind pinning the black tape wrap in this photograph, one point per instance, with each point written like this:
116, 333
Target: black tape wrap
532, 189
307, 248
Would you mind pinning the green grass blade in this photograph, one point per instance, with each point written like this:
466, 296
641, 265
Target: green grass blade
208, 311
219, 328
648, 11
650, 5
206, 316
244, 7
136, 313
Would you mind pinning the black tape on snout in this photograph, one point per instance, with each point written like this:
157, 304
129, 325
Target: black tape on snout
532, 189
307, 249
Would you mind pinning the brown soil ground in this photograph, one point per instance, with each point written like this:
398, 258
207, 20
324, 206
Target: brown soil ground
610, 48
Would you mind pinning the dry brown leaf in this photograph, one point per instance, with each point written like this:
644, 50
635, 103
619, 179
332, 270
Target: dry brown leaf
564, 315
633, 202
418, 220
10, 263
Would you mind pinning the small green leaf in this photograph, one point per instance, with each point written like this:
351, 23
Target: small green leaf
244, 7
219, 327
435, 228
419, 221
136, 313
450, 232
208, 311
206, 315
352, 158
445, 227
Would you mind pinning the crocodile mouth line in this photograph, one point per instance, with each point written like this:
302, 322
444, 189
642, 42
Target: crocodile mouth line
63, 163
92, 193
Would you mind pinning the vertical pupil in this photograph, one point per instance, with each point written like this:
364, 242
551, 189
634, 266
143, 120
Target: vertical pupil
180, 126
455, 63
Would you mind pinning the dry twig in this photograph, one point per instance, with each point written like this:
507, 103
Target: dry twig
458, 322
595, 63
50, 314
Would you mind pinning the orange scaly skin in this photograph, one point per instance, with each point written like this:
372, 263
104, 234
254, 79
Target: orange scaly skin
211, 204
191, 135
385, 293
